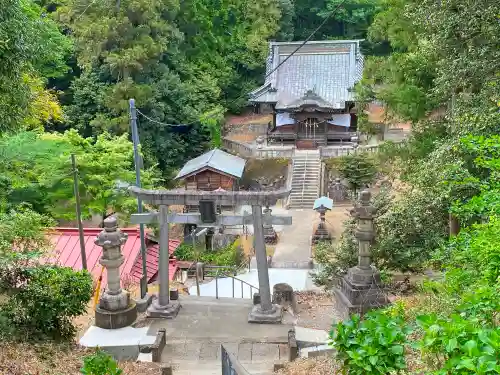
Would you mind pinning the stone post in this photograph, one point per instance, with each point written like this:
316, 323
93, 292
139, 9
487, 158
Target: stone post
265, 312
116, 309
338, 192
361, 290
162, 306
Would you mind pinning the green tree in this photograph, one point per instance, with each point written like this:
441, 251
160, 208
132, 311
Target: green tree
358, 169
31, 47
38, 172
179, 60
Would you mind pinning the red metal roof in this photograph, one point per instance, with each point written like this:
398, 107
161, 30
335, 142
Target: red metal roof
152, 254
67, 253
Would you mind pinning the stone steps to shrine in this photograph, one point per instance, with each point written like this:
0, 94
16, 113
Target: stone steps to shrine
305, 179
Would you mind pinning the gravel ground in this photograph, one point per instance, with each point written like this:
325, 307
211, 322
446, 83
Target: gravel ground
315, 366
315, 310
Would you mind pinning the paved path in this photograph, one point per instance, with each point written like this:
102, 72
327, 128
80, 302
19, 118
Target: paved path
294, 246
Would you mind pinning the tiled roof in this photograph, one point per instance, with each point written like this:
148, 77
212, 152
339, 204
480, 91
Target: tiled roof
67, 253
214, 159
328, 68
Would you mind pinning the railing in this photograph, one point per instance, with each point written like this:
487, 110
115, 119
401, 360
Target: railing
334, 152
220, 274
230, 364
275, 152
234, 278
304, 180
266, 152
238, 147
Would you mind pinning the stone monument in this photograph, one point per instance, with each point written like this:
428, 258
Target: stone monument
361, 289
115, 309
338, 192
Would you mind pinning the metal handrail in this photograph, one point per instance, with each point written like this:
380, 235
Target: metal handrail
230, 364
304, 179
217, 276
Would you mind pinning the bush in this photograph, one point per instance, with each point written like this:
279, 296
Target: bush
47, 301
231, 255
458, 345
374, 345
100, 363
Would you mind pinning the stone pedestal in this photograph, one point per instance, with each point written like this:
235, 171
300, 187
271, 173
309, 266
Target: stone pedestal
361, 289
321, 206
270, 235
271, 316
169, 311
116, 309
144, 303
321, 233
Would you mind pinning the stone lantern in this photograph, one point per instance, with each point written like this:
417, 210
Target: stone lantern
322, 205
115, 309
361, 289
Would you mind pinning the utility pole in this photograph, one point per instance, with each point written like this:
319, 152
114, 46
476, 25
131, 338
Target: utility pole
138, 163
79, 212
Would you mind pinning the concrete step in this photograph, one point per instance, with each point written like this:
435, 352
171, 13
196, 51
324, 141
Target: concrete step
310, 179
306, 176
215, 367
307, 181
305, 200
305, 169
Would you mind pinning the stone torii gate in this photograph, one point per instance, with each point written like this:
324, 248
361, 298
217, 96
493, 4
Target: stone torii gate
265, 312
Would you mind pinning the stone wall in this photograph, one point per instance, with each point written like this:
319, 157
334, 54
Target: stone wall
257, 129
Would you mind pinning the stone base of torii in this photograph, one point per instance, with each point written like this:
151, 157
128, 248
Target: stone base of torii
162, 307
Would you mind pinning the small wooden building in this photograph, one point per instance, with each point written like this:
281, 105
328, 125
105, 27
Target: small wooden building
212, 171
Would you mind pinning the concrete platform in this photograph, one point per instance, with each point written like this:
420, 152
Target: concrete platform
218, 319
310, 337
122, 343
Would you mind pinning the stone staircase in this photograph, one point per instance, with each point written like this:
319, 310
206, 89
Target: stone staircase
305, 179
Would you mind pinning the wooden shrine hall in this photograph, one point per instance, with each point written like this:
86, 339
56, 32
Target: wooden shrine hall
212, 171
311, 94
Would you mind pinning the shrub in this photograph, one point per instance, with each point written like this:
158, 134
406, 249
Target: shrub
459, 346
44, 305
374, 345
100, 363
231, 255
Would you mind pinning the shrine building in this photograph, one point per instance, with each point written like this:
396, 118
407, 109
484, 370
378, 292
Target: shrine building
311, 96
